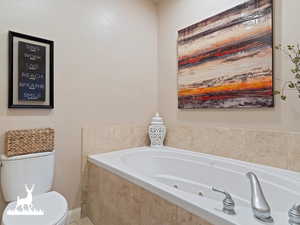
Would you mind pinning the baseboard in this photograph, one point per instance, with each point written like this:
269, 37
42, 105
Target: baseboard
73, 215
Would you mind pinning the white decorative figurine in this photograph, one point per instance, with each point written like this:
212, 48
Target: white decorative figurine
157, 131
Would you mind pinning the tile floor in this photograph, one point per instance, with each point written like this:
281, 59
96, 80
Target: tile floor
83, 221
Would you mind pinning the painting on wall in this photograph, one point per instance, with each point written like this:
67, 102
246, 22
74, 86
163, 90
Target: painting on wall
226, 61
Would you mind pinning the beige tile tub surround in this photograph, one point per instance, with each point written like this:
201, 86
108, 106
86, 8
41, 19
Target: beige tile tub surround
112, 200
272, 148
108, 138
267, 147
83, 221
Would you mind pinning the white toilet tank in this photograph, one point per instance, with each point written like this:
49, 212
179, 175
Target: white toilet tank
37, 169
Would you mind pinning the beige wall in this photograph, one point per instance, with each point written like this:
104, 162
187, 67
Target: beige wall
177, 14
105, 70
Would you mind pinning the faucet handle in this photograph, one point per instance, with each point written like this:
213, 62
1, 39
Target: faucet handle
294, 215
228, 203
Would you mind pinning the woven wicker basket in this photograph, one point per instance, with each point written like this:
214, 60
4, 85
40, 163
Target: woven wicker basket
21, 142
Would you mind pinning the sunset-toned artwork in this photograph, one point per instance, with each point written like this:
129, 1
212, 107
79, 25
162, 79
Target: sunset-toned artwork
226, 60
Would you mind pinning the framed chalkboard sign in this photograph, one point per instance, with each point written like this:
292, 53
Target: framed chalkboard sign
31, 82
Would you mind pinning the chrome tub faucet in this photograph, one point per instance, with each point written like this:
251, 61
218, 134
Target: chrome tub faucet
260, 206
294, 215
228, 203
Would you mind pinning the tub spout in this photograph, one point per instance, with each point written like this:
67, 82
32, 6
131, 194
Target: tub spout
260, 206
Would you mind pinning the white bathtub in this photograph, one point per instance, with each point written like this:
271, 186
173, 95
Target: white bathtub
159, 170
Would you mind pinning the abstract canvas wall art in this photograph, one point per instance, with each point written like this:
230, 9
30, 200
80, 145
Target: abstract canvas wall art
226, 61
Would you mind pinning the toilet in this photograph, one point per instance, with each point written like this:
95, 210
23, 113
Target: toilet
28, 179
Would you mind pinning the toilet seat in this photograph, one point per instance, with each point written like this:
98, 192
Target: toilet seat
53, 204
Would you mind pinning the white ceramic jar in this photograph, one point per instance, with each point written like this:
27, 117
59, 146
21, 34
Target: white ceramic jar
157, 131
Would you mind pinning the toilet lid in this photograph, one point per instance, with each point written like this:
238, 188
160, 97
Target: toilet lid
52, 204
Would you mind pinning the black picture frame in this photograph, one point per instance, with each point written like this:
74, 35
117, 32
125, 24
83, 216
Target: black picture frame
11, 73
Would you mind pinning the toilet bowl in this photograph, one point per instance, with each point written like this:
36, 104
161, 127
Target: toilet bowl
26, 183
